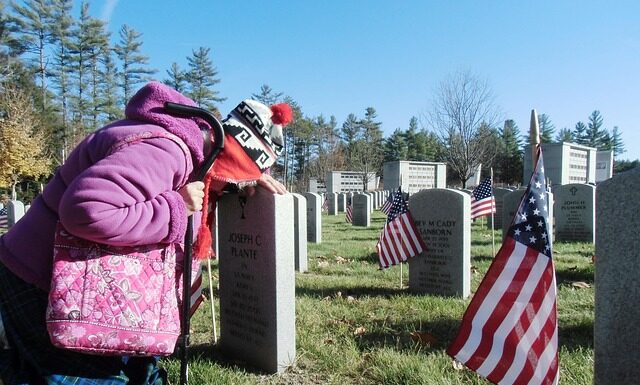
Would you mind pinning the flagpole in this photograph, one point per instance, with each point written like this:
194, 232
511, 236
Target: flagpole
400, 261
213, 307
493, 221
534, 137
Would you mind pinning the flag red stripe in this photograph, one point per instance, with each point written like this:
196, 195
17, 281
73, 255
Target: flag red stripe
503, 358
399, 239
483, 207
383, 251
416, 238
544, 313
490, 303
487, 283
391, 244
497, 318
535, 352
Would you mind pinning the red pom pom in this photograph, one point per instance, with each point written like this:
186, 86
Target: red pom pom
282, 114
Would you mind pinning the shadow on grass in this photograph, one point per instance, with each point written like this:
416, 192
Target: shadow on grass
575, 274
361, 291
438, 334
213, 354
405, 336
574, 336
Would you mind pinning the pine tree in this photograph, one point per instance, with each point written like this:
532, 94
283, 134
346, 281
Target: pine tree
134, 64
366, 156
34, 21
616, 142
267, 95
579, 133
546, 128
177, 78
109, 87
202, 77
509, 163
564, 135
395, 146
85, 37
595, 135
60, 77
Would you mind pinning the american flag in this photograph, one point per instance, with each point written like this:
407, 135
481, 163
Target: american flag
482, 200
386, 207
399, 239
509, 332
4, 219
325, 204
349, 214
197, 296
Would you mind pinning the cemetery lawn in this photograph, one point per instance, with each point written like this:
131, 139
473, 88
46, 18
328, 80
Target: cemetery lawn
356, 325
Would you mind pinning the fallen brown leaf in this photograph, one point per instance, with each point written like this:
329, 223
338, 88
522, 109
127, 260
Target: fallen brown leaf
457, 365
424, 339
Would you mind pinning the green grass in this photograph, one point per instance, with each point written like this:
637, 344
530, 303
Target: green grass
354, 323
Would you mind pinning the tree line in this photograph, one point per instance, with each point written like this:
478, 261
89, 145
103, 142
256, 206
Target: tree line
63, 77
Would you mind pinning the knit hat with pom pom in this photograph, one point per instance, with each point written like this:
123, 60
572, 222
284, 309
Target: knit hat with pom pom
253, 142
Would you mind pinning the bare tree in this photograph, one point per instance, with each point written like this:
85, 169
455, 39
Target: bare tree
463, 108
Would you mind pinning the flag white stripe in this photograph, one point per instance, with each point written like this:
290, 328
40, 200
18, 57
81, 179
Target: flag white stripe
490, 301
414, 239
390, 244
388, 251
403, 222
511, 319
524, 345
545, 361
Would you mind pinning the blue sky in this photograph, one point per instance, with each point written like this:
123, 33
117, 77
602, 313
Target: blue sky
336, 57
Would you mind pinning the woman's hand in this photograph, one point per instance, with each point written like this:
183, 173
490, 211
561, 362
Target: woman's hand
266, 181
193, 195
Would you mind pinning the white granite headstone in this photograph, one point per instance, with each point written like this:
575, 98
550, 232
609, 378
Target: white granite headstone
575, 212
314, 217
616, 334
257, 280
300, 232
443, 219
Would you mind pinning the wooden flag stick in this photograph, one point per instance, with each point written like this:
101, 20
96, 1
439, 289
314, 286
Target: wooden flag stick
493, 221
213, 306
400, 275
534, 137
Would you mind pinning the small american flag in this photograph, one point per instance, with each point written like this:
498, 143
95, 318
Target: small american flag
399, 239
197, 296
482, 200
349, 214
325, 204
509, 332
4, 219
386, 207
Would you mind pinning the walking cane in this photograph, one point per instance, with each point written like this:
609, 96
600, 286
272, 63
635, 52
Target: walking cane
218, 145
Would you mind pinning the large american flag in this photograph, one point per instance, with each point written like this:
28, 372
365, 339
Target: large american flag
482, 200
399, 239
509, 332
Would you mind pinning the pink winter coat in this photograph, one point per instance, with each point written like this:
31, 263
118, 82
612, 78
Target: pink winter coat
118, 187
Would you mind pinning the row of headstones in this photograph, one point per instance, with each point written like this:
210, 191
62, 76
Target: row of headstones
15, 211
572, 208
257, 281
337, 202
